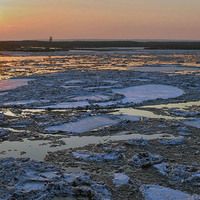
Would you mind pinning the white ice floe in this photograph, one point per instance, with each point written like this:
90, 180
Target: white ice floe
110, 81
156, 192
163, 69
83, 125
97, 97
22, 102
96, 157
173, 142
103, 87
137, 94
120, 178
109, 103
68, 105
3, 93
32, 186
129, 117
105, 104
195, 123
13, 83
162, 168
70, 86
74, 81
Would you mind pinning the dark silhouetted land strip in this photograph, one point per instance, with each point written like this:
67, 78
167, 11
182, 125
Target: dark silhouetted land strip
31, 45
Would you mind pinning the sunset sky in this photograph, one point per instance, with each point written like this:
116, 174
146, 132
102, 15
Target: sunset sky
100, 19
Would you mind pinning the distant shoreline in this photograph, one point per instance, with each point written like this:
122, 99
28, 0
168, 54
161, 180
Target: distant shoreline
45, 46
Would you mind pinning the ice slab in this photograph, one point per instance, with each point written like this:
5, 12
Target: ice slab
68, 105
74, 81
103, 87
109, 103
97, 97
173, 142
70, 87
33, 186
83, 125
156, 192
22, 102
3, 93
163, 69
96, 157
13, 83
120, 178
137, 94
195, 123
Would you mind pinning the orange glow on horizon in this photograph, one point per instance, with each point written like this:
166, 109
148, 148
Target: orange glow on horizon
114, 19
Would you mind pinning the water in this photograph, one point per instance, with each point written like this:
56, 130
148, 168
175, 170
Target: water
38, 149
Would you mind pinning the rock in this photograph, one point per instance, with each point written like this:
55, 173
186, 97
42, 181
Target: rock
145, 160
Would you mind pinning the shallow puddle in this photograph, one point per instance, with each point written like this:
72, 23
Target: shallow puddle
142, 113
180, 106
37, 149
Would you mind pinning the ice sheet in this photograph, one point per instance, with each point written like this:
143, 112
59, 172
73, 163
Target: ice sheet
68, 105
120, 178
23, 102
13, 83
195, 123
83, 125
97, 97
137, 94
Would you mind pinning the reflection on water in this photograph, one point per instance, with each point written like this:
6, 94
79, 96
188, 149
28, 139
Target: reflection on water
38, 149
26, 65
181, 106
142, 113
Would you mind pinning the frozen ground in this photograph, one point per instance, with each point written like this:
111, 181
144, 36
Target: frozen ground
130, 120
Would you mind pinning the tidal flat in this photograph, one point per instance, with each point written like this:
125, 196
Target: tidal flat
87, 124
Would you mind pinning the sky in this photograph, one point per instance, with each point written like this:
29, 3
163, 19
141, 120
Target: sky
100, 19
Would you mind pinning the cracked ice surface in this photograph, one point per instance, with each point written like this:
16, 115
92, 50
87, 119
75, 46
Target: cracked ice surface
28, 179
83, 125
137, 94
13, 83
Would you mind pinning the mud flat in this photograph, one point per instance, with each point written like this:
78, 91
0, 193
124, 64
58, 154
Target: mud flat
100, 125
